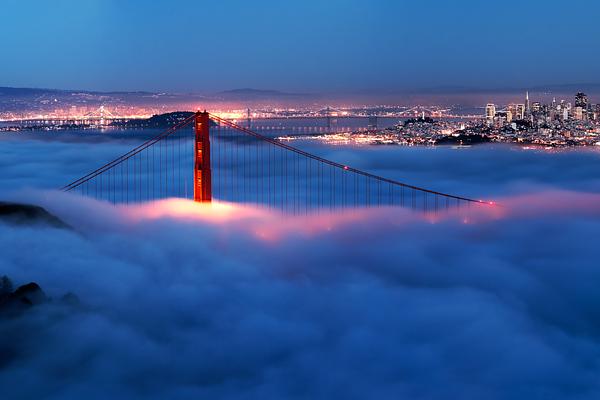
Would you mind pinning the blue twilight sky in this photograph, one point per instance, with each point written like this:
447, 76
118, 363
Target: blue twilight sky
309, 45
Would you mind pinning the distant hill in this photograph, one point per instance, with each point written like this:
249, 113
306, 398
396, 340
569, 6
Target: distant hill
14, 91
166, 120
563, 88
18, 92
568, 88
257, 94
156, 121
35, 99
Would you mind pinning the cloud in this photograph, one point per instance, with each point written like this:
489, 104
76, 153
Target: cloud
192, 304
185, 301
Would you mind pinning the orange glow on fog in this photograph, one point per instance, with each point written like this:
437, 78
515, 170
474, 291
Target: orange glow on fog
271, 226
230, 115
216, 212
264, 224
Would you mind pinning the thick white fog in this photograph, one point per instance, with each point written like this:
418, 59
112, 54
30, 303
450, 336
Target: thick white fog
180, 300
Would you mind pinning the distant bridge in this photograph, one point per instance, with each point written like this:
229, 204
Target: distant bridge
99, 116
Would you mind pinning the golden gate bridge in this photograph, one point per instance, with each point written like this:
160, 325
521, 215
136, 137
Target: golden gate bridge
218, 159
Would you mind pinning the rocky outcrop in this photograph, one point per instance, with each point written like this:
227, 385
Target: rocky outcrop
26, 296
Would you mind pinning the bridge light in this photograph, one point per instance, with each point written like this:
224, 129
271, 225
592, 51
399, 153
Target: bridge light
345, 168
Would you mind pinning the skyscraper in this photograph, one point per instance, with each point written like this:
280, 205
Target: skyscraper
527, 108
520, 114
581, 100
490, 112
512, 108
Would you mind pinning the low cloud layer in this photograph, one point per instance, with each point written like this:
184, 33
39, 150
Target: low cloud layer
184, 301
380, 304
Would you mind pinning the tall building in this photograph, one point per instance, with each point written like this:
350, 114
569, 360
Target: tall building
527, 108
490, 112
581, 100
509, 116
501, 118
512, 108
552, 112
520, 114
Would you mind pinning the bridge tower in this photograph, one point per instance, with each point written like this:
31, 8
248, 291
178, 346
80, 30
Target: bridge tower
372, 125
202, 174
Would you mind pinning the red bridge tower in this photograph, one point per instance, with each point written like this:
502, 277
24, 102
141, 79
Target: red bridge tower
202, 175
